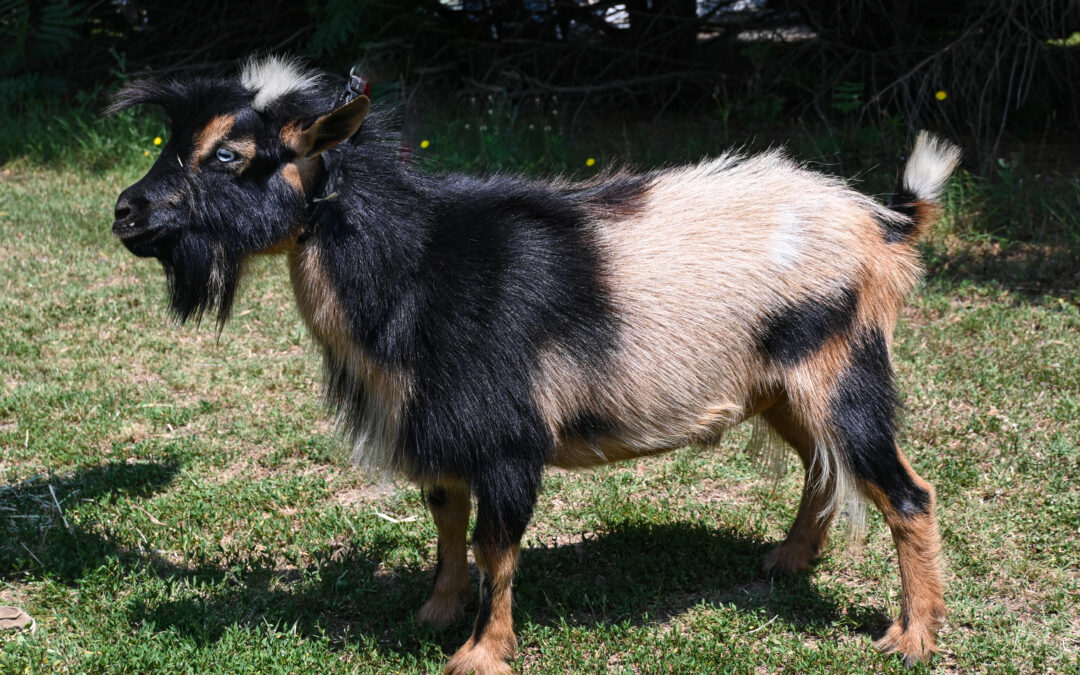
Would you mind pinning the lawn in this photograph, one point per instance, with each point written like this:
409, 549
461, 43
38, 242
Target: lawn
172, 500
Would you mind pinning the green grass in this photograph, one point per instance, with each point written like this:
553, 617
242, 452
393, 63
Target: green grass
171, 501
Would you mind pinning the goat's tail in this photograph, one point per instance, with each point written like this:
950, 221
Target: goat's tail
918, 196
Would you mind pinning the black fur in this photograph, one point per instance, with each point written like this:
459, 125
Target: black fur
590, 428
459, 282
457, 285
615, 195
793, 332
462, 282
864, 411
203, 239
903, 202
435, 497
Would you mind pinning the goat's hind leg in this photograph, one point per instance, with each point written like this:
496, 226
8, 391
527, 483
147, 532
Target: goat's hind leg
907, 502
449, 504
808, 534
863, 416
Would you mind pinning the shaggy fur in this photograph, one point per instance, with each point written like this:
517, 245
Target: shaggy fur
475, 330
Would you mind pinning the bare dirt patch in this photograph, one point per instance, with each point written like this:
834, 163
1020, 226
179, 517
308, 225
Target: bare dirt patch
114, 281
371, 493
732, 493
248, 466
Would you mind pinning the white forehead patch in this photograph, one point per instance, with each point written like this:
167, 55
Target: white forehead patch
272, 77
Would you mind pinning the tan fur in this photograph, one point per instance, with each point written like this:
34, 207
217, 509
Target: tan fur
925, 214
244, 148
809, 387
446, 604
497, 642
692, 271
808, 534
692, 275
918, 549
388, 390
279, 248
291, 173
207, 139
889, 273
343, 121
291, 136
300, 172
706, 255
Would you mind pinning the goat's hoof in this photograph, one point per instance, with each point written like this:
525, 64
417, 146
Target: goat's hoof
915, 645
442, 610
477, 658
788, 558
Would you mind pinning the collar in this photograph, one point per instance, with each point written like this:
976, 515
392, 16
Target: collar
317, 207
327, 183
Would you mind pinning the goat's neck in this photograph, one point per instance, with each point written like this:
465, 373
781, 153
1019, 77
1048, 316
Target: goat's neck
354, 273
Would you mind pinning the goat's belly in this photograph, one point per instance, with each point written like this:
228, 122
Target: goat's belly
589, 441
581, 454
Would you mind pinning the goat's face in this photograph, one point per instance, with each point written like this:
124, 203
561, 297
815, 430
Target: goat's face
234, 178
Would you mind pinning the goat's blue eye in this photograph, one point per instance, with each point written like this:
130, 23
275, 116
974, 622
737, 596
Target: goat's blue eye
225, 155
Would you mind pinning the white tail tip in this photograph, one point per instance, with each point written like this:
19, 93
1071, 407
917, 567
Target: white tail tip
931, 163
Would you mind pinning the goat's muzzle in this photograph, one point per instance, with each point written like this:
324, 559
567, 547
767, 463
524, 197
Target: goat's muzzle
133, 224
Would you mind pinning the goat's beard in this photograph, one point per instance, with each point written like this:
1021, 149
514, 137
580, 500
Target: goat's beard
202, 276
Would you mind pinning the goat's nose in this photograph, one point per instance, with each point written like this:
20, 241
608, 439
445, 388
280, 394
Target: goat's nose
131, 210
130, 205
123, 208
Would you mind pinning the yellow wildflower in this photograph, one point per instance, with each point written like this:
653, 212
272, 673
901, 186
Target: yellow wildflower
157, 140
425, 144
590, 162
941, 95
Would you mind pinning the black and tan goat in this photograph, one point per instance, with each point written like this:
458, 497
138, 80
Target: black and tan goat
475, 330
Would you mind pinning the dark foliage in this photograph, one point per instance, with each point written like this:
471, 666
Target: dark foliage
1004, 65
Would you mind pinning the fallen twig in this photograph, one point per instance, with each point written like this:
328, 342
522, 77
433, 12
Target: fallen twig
60, 510
391, 518
764, 624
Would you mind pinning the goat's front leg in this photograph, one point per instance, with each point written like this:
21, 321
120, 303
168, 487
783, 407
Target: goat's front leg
502, 516
449, 504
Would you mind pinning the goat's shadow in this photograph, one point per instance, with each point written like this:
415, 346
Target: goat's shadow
38, 537
635, 573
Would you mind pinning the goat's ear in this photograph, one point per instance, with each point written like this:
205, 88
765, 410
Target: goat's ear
334, 127
141, 91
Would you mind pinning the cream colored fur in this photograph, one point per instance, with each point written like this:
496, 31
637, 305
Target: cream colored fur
692, 277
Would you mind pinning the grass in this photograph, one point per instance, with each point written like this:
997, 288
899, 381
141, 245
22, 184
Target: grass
172, 501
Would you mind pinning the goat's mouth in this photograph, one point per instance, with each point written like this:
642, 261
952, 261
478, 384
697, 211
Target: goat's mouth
138, 237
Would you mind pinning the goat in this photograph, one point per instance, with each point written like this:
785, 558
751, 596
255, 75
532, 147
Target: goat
475, 330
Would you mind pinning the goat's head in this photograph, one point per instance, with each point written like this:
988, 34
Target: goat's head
235, 177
